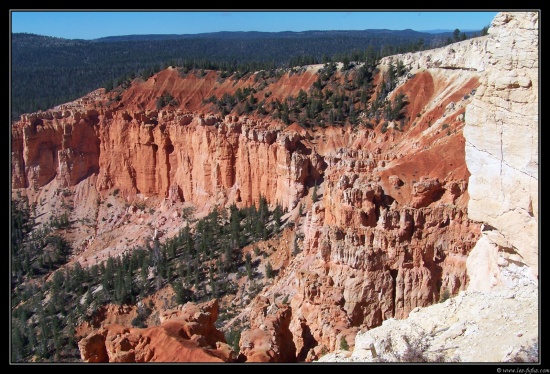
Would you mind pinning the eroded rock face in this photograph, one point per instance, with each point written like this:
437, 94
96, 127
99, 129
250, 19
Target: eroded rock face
189, 335
366, 241
269, 338
466, 328
501, 153
398, 214
152, 153
45, 147
502, 141
425, 192
389, 233
92, 348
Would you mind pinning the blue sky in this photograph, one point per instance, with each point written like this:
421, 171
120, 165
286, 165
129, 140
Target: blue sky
96, 24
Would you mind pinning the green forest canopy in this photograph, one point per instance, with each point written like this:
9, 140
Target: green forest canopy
48, 71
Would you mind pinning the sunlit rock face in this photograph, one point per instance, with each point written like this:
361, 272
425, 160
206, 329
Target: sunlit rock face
502, 140
444, 202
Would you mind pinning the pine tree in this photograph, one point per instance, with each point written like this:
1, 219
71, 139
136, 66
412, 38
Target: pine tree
233, 337
456, 35
485, 30
248, 263
260, 232
344, 344
196, 274
269, 270
277, 213
17, 344
182, 294
211, 280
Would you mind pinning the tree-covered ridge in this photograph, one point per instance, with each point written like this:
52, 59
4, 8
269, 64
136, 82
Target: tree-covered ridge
47, 71
199, 263
311, 34
340, 96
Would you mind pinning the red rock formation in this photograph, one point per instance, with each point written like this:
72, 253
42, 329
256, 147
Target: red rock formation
269, 339
388, 233
426, 192
150, 153
45, 146
189, 336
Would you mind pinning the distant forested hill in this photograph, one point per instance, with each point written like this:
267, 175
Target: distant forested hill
47, 71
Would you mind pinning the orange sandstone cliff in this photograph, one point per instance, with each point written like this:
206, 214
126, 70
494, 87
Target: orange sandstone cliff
388, 231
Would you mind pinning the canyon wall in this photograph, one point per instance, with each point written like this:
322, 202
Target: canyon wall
502, 141
502, 150
203, 160
388, 233
501, 135
398, 215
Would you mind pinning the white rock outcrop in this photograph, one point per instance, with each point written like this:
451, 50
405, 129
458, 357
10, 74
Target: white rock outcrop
502, 140
471, 327
464, 55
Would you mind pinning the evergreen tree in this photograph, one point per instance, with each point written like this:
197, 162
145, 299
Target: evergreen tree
277, 213
18, 344
248, 263
183, 295
211, 280
456, 35
269, 273
352, 116
260, 232
344, 344
233, 337
188, 273
77, 279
